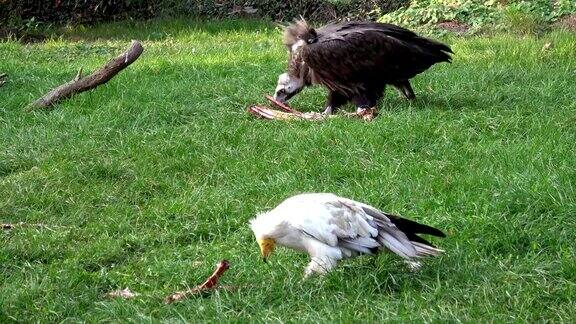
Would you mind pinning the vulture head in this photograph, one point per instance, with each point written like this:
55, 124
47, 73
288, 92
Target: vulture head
298, 75
265, 232
287, 87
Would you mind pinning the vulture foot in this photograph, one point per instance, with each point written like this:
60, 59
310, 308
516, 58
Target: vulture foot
328, 111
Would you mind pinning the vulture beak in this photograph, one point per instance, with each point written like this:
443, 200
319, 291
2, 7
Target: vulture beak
281, 95
266, 247
287, 87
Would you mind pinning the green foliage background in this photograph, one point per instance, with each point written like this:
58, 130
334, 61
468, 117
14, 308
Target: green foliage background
81, 11
481, 14
25, 18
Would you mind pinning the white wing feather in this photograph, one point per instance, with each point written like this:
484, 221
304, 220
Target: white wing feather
341, 222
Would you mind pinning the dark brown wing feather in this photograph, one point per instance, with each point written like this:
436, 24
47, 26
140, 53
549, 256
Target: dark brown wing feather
352, 56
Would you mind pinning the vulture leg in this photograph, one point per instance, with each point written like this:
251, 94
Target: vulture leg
320, 265
335, 100
405, 89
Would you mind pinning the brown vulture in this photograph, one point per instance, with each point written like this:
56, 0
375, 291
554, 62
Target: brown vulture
355, 61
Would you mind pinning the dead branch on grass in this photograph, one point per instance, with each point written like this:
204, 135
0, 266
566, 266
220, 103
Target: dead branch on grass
80, 84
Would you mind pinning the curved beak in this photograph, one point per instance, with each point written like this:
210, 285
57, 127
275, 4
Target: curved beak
288, 86
282, 96
266, 248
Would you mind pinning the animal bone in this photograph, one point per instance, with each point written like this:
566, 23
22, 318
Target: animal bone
208, 285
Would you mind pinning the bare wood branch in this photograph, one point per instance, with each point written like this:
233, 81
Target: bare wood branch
98, 77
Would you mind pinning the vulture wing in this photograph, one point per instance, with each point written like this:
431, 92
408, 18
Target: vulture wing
399, 234
343, 56
355, 227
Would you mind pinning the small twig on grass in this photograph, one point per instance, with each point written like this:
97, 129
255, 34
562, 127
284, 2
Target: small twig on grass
207, 286
80, 84
11, 226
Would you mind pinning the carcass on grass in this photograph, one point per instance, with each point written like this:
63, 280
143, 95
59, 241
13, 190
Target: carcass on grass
284, 112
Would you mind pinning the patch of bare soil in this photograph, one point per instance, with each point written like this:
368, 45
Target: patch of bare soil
454, 26
568, 22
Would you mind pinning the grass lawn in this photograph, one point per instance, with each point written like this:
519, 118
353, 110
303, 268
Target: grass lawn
148, 181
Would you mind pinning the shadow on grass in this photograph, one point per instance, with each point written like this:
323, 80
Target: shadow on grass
429, 101
314, 99
385, 274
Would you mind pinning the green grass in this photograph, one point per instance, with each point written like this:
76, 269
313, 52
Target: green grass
148, 181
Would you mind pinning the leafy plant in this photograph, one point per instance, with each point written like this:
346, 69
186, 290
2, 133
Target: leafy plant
82, 11
524, 16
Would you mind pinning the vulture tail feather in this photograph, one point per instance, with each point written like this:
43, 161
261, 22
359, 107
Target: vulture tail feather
415, 238
403, 248
355, 246
423, 250
404, 228
410, 226
403, 224
435, 51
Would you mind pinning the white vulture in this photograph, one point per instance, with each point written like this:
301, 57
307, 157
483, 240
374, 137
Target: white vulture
330, 228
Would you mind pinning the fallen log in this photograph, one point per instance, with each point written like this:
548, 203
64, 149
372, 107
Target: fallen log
80, 84
3, 77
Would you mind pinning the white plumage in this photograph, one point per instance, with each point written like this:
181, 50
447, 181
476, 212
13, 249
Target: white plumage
330, 228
